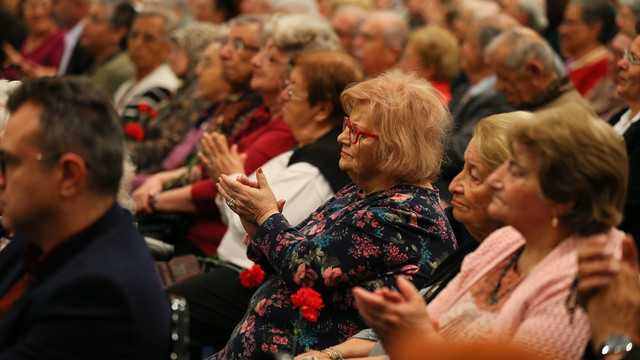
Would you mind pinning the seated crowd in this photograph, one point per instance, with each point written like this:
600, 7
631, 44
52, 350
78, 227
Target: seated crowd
352, 178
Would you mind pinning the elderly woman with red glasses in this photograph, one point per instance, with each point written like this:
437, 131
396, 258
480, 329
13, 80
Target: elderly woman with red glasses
387, 223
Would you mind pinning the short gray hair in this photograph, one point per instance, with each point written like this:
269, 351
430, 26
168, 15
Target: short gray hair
524, 44
294, 6
396, 30
162, 11
538, 20
298, 33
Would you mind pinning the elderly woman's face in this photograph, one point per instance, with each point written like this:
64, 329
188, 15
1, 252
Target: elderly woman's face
517, 198
268, 69
296, 110
471, 195
358, 159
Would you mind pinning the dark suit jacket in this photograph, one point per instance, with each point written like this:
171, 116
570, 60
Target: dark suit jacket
98, 297
631, 220
80, 61
466, 114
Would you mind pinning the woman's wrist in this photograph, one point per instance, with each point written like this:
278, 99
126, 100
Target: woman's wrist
262, 218
333, 353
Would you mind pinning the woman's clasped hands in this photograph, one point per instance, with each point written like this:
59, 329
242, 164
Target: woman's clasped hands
253, 201
218, 158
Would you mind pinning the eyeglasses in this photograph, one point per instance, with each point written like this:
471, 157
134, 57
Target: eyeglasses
629, 56
290, 93
354, 132
7, 158
239, 45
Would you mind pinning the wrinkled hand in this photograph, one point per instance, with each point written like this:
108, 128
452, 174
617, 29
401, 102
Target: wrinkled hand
145, 192
218, 158
609, 288
253, 205
394, 315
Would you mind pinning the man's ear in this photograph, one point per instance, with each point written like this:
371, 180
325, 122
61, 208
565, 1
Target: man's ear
534, 68
73, 175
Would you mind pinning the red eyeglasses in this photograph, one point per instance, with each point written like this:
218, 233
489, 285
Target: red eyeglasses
354, 132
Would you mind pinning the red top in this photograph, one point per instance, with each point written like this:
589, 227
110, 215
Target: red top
261, 139
49, 53
584, 78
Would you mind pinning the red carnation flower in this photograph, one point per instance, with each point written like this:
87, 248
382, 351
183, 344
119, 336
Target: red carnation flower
144, 107
309, 301
134, 130
253, 277
153, 113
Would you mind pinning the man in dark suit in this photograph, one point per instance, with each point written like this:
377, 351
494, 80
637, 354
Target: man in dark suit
69, 15
78, 281
473, 101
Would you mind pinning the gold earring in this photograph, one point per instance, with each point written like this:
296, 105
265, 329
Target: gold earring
555, 222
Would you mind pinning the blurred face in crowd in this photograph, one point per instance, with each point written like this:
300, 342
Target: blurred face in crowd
619, 44
296, 110
575, 34
517, 86
37, 16
371, 49
344, 24
470, 57
625, 19
97, 33
269, 69
147, 45
66, 13
241, 45
178, 60
629, 73
211, 83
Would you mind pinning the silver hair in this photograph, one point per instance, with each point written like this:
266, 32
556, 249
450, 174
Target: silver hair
524, 45
154, 9
396, 30
296, 33
294, 6
480, 8
538, 20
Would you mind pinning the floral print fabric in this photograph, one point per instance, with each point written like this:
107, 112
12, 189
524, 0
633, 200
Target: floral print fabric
352, 240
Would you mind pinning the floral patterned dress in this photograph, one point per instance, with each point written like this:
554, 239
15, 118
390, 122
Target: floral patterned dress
354, 239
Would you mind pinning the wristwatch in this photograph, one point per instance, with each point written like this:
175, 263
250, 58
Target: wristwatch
616, 344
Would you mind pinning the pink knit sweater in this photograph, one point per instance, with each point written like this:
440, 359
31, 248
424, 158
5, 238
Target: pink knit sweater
535, 316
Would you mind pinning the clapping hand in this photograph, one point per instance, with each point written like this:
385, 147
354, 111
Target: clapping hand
254, 202
609, 288
395, 315
218, 158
